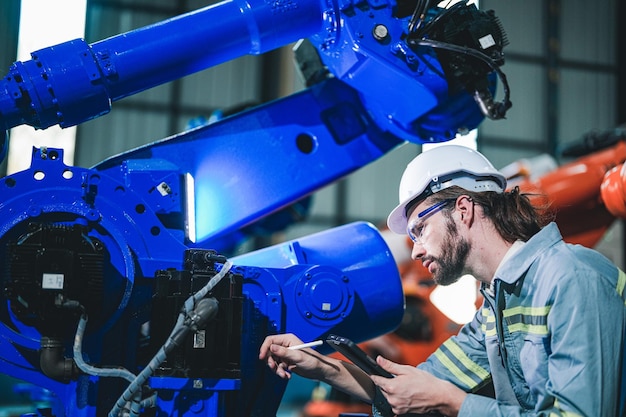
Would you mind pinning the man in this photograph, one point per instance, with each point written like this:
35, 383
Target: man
549, 336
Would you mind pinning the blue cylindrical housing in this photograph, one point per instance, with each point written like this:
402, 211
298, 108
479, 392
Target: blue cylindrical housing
353, 287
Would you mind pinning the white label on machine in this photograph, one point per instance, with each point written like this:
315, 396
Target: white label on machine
487, 41
52, 281
164, 189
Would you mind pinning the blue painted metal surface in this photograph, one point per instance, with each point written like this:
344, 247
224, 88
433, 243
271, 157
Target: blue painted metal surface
325, 281
73, 82
123, 243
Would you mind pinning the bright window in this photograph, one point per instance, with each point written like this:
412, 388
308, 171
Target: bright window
43, 24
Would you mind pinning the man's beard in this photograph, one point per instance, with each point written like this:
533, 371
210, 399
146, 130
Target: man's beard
451, 262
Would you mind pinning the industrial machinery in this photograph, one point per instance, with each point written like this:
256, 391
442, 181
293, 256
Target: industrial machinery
589, 186
116, 295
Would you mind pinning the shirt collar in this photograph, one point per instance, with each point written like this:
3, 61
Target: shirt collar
515, 247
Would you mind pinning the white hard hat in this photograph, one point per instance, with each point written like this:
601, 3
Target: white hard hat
440, 168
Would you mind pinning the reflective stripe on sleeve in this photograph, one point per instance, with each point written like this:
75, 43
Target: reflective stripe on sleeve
466, 371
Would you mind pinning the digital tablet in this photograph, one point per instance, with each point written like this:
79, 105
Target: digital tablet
356, 355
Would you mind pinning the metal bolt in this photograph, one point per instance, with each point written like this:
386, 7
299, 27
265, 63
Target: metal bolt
380, 32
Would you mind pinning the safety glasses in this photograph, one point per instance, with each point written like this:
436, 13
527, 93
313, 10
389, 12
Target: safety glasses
415, 229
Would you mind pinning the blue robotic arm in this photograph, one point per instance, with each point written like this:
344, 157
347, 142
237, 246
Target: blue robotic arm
129, 249
380, 48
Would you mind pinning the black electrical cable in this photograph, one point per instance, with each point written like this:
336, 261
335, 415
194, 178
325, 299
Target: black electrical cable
418, 15
428, 27
506, 102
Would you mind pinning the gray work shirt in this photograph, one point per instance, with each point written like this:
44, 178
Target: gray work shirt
550, 338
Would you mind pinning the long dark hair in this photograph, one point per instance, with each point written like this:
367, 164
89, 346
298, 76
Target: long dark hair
515, 215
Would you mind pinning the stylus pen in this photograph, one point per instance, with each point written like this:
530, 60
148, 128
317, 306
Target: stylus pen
306, 345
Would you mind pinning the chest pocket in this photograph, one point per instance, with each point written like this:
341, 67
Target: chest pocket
528, 328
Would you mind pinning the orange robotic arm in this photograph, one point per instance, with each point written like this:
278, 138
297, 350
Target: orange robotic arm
587, 195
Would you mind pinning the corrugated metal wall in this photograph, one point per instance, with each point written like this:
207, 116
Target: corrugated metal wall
562, 67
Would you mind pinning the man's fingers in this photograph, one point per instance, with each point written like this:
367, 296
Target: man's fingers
282, 371
388, 365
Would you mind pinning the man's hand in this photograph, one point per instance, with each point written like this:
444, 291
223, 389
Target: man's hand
310, 364
416, 391
283, 361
